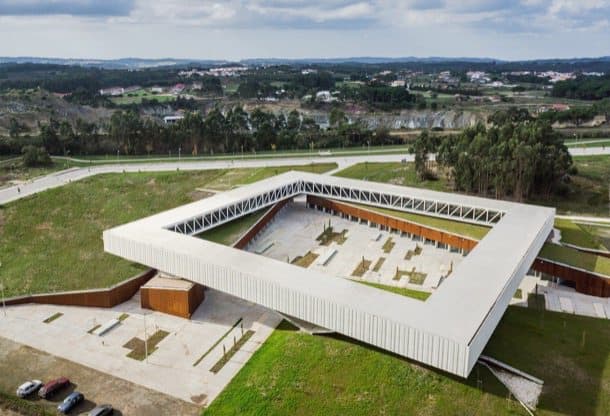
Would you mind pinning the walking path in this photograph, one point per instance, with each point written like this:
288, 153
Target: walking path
74, 174
63, 177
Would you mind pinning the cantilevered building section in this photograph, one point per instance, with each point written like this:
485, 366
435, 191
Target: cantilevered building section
448, 331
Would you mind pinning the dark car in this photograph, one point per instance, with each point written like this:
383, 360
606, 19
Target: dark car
53, 386
102, 410
70, 402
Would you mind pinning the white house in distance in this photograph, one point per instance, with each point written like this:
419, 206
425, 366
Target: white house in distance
172, 119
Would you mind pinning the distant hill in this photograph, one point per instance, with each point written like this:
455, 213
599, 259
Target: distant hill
436, 62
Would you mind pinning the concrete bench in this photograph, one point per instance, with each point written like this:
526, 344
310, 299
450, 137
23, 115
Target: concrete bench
106, 327
324, 259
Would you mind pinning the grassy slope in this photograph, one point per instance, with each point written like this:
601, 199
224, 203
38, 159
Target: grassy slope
572, 257
582, 236
391, 172
467, 230
403, 291
571, 232
588, 193
298, 374
228, 233
52, 241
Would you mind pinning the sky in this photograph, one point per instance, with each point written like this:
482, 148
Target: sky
238, 29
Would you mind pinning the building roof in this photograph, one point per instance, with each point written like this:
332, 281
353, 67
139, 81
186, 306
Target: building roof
448, 331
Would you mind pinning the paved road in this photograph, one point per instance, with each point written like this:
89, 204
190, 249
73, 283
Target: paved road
61, 178
74, 174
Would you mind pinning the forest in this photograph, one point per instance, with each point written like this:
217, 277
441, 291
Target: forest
513, 159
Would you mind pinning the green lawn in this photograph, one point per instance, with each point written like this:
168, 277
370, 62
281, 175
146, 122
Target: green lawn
136, 97
391, 172
579, 235
230, 232
52, 241
403, 291
298, 374
573, 257
587, 192
474, 231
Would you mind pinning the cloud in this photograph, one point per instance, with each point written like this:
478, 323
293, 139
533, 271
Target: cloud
95, 8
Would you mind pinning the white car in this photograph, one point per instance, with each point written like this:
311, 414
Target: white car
28, 388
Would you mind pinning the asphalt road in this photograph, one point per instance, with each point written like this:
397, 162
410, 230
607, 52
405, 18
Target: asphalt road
61, 178
74, 174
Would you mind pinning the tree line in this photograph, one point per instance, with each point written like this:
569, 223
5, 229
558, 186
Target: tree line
583, 88
515, 159
220, 131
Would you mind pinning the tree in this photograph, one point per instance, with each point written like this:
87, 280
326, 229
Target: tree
422, 146
336, 117
35, 156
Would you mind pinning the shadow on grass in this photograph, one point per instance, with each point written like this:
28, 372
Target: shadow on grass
570, 353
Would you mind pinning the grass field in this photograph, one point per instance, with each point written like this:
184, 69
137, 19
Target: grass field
391, 172
299, 374
136, 97
579, 235
227, 234
588, 190
52, 241
573, 257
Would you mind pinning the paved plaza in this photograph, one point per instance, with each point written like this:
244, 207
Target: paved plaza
170, 368
295, 229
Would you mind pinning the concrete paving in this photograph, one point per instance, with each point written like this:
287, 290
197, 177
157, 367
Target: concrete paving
170, 369
295, 229
565, 299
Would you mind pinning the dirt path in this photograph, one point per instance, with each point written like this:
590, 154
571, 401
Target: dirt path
19, 363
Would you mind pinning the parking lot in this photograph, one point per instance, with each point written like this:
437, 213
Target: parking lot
178, 368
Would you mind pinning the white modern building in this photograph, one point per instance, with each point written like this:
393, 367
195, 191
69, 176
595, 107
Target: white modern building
448, 331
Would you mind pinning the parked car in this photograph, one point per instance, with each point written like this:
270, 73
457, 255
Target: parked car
53, 386
102, 410
28, 388
70, 402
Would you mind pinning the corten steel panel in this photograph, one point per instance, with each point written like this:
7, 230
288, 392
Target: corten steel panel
260, 224
100, 298
452, 240
182, 303
586, 283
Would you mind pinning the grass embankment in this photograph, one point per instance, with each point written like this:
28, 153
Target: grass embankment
295, 373
52, 241
391, 172
573, 257
230, 232
473, 231
11, 403
579, 235
587, 192
403, 291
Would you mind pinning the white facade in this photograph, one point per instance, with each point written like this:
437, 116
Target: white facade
448, 331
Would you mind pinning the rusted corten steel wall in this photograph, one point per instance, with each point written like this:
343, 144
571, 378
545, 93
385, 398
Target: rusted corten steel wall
100, 298
256, 228
587, 283
452, 240
182, 303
